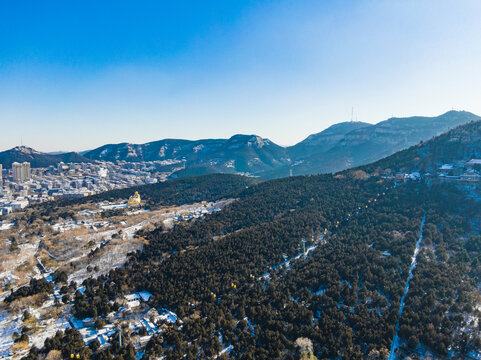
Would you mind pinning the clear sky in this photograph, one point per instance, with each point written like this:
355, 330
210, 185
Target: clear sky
78, 74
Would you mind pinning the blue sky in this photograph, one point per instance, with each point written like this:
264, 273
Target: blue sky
76, 75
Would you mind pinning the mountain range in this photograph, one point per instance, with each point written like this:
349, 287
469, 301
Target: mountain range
341, 146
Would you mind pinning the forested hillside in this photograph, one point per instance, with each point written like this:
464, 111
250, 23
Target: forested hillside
461, 143
357, 264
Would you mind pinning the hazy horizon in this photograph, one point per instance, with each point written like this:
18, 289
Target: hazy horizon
76, 76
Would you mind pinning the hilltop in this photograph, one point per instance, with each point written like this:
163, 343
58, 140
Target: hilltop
370, 143
38, 159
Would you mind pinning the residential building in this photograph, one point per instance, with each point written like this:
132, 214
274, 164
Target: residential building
470, 176
473, 162
446, 168
21, 171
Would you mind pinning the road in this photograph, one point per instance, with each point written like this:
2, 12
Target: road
396, 341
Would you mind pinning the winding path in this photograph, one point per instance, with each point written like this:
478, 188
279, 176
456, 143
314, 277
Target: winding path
396, 341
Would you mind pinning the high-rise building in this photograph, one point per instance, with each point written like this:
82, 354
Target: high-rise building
1, 173
21, 172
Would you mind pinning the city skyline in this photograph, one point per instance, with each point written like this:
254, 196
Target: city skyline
73, 78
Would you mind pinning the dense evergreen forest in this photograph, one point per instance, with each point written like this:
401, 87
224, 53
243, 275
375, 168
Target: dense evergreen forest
449, 267
229, 278
461, 143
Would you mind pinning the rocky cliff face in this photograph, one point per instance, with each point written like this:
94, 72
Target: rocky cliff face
241, 153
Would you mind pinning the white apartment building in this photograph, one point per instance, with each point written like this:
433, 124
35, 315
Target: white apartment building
21, 171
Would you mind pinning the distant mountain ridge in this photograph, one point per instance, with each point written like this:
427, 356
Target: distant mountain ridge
36, 158
338, 147
341, 146
238, 154
373, 142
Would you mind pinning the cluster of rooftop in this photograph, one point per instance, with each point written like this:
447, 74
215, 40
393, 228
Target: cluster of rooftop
22, 184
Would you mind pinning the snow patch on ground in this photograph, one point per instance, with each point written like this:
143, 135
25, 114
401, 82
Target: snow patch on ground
168, 316
396, 341
8, 326
6, 226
